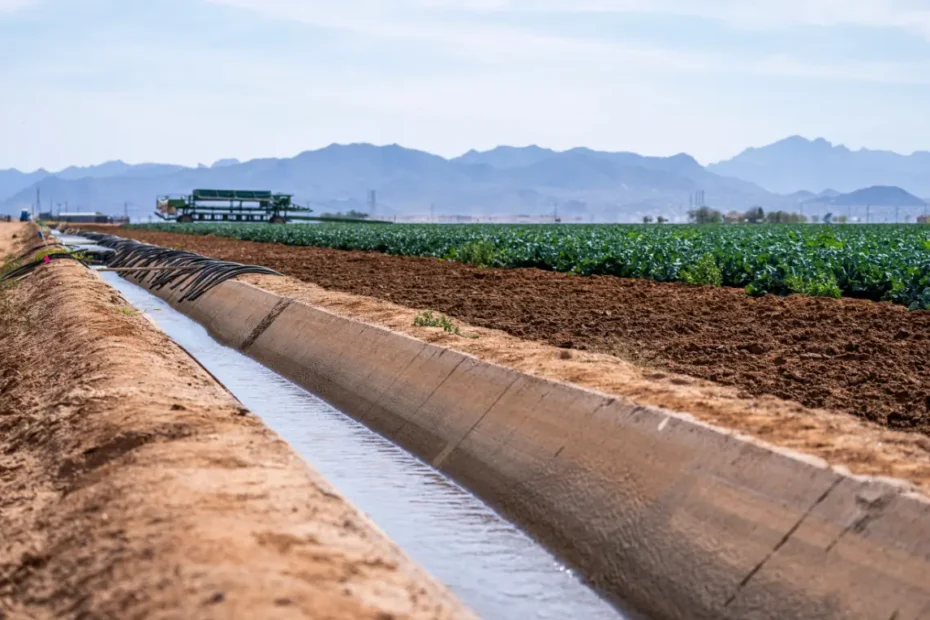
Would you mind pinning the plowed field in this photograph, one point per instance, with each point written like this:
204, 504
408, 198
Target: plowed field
865, 358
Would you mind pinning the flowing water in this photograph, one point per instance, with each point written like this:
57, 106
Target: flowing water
489, 563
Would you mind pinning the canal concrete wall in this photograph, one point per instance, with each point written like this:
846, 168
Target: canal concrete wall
681, 519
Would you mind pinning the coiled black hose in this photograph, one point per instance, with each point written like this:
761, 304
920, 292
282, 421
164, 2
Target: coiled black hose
25, 269
191, 274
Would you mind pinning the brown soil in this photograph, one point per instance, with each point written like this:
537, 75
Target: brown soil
864, 358
132, 485
11, 236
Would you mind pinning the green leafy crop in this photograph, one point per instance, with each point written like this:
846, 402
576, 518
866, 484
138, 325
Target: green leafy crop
878, 262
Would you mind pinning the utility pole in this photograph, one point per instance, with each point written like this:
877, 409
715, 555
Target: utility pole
372, 202
867, 208
38, 204
896, 207
432, 212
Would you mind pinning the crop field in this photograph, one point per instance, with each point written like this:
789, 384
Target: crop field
877, 262
852, 355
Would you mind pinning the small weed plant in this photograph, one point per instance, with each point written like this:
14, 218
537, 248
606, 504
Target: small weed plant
428, 319
8, 267
41, 254
477, 253
704, 271
819, 285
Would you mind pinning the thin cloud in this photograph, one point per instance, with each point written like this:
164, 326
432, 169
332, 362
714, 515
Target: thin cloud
428, 22
909, 15
9, 6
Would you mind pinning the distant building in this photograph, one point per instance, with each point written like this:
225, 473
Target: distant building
78, 217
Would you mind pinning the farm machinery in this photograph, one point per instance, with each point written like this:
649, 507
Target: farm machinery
229, 205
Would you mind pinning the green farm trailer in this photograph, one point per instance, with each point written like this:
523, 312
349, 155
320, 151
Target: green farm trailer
229, 205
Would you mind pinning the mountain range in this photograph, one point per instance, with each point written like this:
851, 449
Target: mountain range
592, 185
578, 183
797, 163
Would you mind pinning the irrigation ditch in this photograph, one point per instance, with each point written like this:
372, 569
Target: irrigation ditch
133, 485
681, 519
492, 566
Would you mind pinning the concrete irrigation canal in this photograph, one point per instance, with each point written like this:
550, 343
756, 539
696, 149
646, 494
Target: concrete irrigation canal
494, 568
143, 472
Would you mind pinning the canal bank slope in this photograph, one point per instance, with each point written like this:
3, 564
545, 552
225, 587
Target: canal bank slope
133, 485
10, 237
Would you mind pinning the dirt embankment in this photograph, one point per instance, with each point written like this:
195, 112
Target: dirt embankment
132, 485
867, 359
11, 237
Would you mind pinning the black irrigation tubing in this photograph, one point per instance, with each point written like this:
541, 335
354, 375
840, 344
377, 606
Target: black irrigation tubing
28, 267
190, 273
39, 248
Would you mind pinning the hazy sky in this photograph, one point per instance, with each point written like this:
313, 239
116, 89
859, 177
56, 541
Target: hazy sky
191, 81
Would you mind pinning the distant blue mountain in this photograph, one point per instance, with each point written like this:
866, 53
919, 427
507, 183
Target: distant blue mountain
797, 163
580, 182
506, 156
878, 196
115, 169
12, 181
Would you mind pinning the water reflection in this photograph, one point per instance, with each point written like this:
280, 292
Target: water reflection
490, 564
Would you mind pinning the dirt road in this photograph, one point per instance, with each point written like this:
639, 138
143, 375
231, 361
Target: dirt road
864, 358
132, 485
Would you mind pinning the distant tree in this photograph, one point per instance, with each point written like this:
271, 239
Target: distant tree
734, 217
647, 219
352, 214
923, 219
815, 219
661, 220
756, 215
841, 219
705, 215
828, 218
784, 217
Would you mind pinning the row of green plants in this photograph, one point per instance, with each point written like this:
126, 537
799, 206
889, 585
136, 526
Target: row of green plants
878, 262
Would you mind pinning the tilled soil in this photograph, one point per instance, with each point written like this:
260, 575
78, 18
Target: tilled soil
864, 358
133, 486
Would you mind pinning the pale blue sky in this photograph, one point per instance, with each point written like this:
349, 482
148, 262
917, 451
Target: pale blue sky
191, 81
